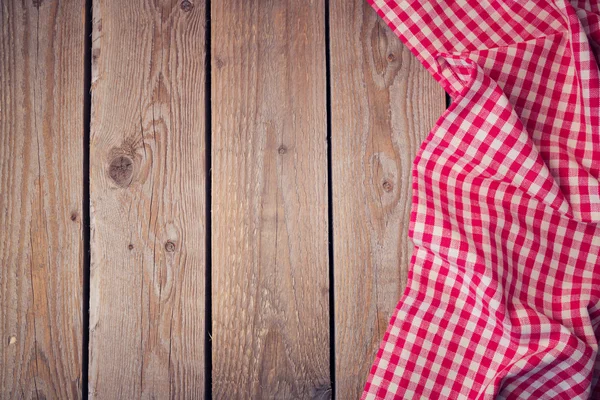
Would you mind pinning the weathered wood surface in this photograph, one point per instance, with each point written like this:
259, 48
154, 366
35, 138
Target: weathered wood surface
147, 200
41, 161
148, 171
270, 334
383, 105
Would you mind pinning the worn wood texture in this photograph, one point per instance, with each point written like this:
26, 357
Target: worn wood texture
41, 187
383, 105
270, 236
147, 200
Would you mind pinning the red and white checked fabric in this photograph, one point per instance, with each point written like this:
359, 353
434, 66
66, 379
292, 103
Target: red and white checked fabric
503, 295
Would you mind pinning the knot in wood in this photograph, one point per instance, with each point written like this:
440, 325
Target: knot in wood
130, 247
282, 149
391, 57
169, 246
388, 186
121, 170
186, 6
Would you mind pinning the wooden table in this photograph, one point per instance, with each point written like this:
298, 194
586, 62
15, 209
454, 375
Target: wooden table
202, 198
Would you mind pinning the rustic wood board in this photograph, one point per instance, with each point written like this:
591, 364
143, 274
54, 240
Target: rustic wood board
270, 335
41, 163
383, 105
148, 210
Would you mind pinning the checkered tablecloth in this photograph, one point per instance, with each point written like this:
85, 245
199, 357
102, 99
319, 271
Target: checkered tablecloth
503, 297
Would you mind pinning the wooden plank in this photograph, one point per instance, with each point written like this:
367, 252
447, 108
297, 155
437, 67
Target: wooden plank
147, 199
383, 105
270, 286
41, 187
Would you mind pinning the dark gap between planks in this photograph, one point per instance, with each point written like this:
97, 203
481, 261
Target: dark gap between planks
86, 234
330, 202
208, 217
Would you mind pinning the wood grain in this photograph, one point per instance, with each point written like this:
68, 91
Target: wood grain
383, 105
41, 162
270, 254
147, 200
